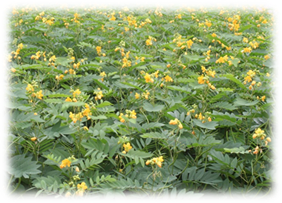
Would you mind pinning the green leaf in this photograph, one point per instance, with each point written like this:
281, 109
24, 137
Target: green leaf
242, 102
224, 105
106, 103
15, 105
58, 95
208, 125
132, 85
101, 84
23, 166
154, 135
100, 117
66, 105
152, 107
57, 101
180, 89
232, 78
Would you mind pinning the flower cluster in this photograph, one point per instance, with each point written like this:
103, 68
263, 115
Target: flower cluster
17, 52
261, 98
247, 50
146, 94
205, 78
75, 94
149, 41
30, 89
125, 61
176, 122
260, 134
75, 117
65, 163
98, 93
126, 148
157, 160
129, 114
87, 112
81, 188
222, 59
38, 94
98, 49
167, 78
249, 78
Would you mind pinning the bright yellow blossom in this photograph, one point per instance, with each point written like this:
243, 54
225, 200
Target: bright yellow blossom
65, 163
168, 79
127, 147
137, 96
76, 92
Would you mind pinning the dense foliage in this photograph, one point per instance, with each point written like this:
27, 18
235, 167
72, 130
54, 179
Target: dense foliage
150, 101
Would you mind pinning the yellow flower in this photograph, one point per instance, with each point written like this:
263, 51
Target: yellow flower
33, 139
189, 43
29, 88
211, 73
173, 122
13, 70
98, 49
67, 195
99, 95
65, 163
214, 35
82, 186
52, 59
148, 78
267, 74
168, 79
251, 73
247, 50
76, 92
127, 147
149, 41
180, 126
220, 60
245, 40
133, 114
248, 79
121, 118
201, 79
68, 99
266, 57
200, 116
39, 94
262, 98
137, 96
103, 74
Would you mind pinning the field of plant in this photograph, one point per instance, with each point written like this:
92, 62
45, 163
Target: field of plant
140, 101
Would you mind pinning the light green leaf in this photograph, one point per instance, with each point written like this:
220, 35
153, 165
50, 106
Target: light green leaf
154, 135
152, 107
232, 78
208, 125
242, 102
23, 166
